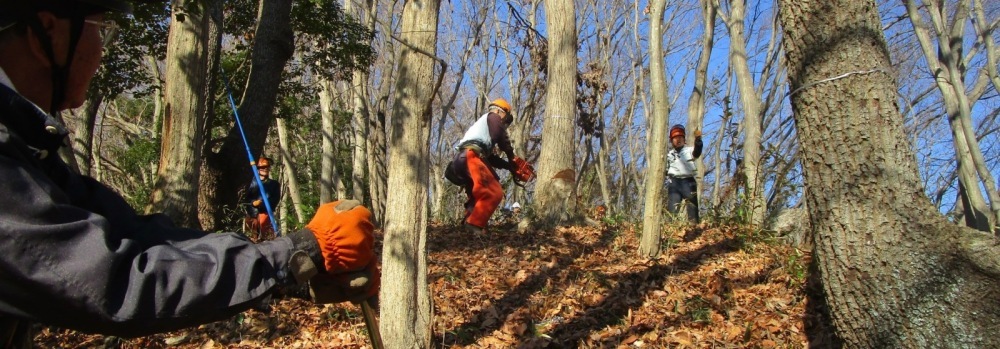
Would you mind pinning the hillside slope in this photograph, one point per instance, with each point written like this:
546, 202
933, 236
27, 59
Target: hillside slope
716, 287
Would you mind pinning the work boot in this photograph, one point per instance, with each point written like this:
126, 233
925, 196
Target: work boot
472, 229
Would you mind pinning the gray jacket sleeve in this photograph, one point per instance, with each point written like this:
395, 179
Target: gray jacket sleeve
75, 255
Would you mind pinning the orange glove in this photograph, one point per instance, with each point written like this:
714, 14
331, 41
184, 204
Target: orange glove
344, 233
697, 133
523, 171
351, 286
256, 203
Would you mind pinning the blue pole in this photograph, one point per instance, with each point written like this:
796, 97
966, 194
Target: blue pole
253, 162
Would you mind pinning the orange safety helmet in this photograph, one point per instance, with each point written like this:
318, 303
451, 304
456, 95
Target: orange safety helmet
503, 104
676, 131
263, 162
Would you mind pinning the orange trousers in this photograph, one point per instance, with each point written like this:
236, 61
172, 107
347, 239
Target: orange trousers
259, 228
484, 191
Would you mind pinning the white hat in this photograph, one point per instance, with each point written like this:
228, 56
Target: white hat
515, 205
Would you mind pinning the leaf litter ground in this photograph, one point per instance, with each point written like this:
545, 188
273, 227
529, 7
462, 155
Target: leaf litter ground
574, 287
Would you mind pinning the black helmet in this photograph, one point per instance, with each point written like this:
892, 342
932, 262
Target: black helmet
24, 11
13, 10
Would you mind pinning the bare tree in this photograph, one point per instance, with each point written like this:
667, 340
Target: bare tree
656, 155
555, 196
751, 102
894, 272
696, 103
407, 323
946, 60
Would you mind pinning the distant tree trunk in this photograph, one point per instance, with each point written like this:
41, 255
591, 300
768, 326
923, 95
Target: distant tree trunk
192, 49
359, 119
225, 173
288, 171
947, 65
328, 165
894, 272
751, 111
696, 103
555, 194
656, 153
82, 121
406, 320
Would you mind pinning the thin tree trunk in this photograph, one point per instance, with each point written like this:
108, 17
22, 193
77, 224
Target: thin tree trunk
288, 169
696, 104
407, 323
83, 121
359, 110
656, 153
751, 102
947, 66
328, 166
894, 272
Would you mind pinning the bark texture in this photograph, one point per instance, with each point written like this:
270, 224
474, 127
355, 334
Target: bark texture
555, 191
192, 43
656, 153
894, 272
407, 322
227, 170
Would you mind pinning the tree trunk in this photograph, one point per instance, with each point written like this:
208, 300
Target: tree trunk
328, 165
359, 119
192, 47
751, 112
82, 121
225, 173
407, 322
555, 195
288, 171
377, 176
656, 153
894, 272
696, 104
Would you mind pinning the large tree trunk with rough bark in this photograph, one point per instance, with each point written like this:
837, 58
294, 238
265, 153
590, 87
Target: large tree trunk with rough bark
656, 151
406, 321
895, 273
192, 47
226, 172
555, 193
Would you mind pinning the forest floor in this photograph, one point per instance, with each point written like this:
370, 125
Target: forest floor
575, 287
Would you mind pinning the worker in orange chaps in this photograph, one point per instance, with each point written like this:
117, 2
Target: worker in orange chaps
474, 166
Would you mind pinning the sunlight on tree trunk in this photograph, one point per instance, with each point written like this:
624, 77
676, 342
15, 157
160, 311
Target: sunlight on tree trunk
288, 171
190, 47
895, 273
407, 322
945, 59
751, 103
656, 170
555, 197
696, 104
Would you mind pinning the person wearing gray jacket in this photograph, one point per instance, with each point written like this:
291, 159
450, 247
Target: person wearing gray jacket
74, 254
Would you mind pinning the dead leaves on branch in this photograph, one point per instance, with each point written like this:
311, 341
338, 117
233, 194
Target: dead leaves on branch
572, 287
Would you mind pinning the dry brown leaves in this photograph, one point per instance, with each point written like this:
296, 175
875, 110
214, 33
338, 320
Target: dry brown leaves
572, 287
